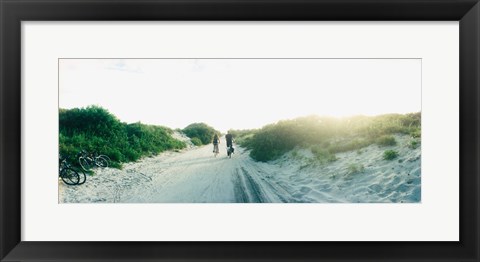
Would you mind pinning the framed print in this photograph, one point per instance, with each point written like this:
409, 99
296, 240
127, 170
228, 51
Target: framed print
204, 130
257, 171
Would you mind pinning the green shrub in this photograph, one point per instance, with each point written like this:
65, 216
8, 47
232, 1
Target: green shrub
274, 140
414, 144
201, 131
242, 133
388, 124
243, 137
390, 154
94, 129
416, 133
335, 135
386, 141
295, 154
196, 141
244, 141
355, 169
323, 155
349, 145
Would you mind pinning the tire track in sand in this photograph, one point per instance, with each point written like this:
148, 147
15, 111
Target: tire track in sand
246, 189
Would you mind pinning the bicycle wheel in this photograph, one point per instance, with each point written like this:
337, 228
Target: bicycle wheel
101, 161
82, 177
70, 176
84, 163
215, 150
106, 157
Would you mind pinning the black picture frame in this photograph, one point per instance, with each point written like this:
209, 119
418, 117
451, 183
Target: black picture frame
13, 12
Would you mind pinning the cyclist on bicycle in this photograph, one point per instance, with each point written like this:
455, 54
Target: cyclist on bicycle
216, 141
229, 138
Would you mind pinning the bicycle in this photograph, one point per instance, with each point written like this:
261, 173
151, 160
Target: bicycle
88, 161
215, 150
69, 175
83, 176
230, 151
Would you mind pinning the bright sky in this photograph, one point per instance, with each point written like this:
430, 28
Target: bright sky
239, 93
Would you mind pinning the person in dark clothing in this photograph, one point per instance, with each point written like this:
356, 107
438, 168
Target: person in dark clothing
229, 139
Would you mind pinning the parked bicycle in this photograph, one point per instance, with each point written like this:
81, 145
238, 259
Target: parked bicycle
69, 175
89, 160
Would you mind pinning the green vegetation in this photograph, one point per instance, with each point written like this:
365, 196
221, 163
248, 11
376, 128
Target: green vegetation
416, 133
326, 136
390, 154
323, 155
349, 145
196, 141
386, 141
94, 129
241, 133
243, 137
202, 132
355, 169
414, 144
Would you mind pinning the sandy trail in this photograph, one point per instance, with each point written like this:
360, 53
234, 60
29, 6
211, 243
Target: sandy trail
194, 175
198, 176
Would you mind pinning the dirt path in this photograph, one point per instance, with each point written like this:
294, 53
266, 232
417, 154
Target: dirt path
192, 176
198, 176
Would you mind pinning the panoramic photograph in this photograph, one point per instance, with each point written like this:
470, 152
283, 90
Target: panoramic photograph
232, 130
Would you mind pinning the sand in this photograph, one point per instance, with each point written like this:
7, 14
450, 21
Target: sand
194, 175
